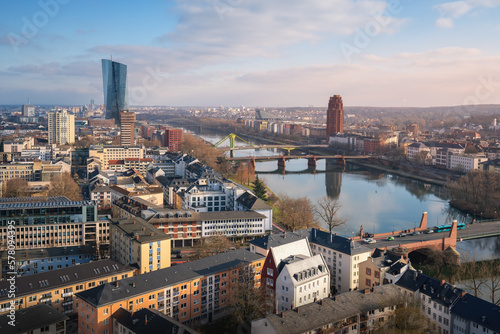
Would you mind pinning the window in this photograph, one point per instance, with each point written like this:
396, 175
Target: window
269, 272
368, 282
368, 271
377, 274
105, 311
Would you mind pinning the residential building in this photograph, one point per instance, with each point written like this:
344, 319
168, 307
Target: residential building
107, 153
58, 286
127, 121
36, 319
491, 165
147, 321
30, 171
437, 297
61, 127
197, 291
342, 255
101, 195
466, 162
28, 110
350, 312
34, 261
382, 267
135, 241
474, 315
115, 86
302, 280
173, 139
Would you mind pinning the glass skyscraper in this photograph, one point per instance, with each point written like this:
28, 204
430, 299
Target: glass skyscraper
114, 81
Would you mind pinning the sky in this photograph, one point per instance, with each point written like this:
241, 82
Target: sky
255, 53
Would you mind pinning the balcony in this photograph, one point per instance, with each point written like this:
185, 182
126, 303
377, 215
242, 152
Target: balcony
175, 303
46, 299
67, 303
67, 294
204, 302
176, 293
161, 298
68, 311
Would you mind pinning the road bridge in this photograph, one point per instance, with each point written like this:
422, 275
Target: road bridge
311, 159
438, 241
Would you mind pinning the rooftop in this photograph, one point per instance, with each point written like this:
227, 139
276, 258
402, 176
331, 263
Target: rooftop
332, 310
31, 318
139, 230
479, 311
31, 254
31, 284
155, 280
147, 321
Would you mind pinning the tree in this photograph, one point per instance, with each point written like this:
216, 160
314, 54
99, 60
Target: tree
408, 319
212, 245
248, 301
327, 210
296, 213
243, 173
64, 185
259, 189
16, 188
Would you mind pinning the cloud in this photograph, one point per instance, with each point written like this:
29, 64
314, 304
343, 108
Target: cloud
456, 9
444, 22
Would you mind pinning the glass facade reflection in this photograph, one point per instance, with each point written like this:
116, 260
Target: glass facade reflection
114, 80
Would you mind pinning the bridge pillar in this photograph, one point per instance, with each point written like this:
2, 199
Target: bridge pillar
251, 163
281, 162
423, 222
311, 162
341, 161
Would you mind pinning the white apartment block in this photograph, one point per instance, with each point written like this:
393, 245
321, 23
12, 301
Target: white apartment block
61, 125
465, 162
107, 153
302, 280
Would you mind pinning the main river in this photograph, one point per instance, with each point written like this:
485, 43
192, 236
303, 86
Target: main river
379, 201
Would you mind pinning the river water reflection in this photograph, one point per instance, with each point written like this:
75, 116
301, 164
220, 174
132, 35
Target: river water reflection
379, 201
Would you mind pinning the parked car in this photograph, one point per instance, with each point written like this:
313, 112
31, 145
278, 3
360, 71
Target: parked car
415, 233
368, 235
429, 231
176, 251
390, 238
370, 241
402, 235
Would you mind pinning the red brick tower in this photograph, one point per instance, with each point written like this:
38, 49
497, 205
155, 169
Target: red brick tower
335, 116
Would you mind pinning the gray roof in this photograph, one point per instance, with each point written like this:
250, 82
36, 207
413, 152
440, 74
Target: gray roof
31, 284
332, 310
154, 280
31, 318
42, 253
252, 202
275, 240
150, 321
479, 311
138, 227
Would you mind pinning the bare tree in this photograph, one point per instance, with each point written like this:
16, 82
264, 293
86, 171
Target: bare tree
16, 188
212, 245
492, 282
248, 300
65, 185
472, 274
327, 210
296, 213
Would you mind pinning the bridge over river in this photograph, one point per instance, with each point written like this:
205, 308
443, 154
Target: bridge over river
311, 159
438, 241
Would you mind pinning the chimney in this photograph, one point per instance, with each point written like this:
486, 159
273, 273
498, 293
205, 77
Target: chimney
133, 222
151, 234
144, 229
442, 282
145, 319
133, 284
415, 275
463, 294
298, 309
366, 291
116, 284
276, 311
282, 314
321, 302
284, 236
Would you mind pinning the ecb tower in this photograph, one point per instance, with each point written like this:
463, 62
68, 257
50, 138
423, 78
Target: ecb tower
335, 116
114, 81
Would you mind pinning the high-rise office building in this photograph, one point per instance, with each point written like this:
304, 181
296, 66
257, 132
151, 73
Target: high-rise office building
114, 80
335, 116
28, 110
173, 139
127, 120
61, 127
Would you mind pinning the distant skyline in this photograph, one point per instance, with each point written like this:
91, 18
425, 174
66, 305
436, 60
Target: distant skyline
394, 53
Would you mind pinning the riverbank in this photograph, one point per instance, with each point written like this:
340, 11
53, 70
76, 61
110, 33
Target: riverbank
399, 172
